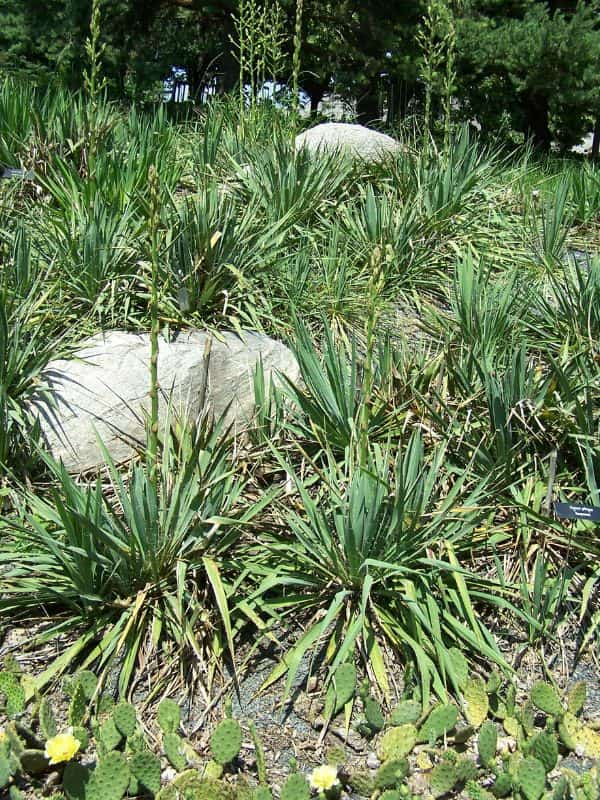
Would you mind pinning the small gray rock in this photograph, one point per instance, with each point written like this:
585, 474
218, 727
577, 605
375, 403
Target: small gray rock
355, 140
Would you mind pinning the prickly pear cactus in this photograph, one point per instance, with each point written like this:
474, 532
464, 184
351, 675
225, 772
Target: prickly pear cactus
487, 743
172, 746
460, 667
391, 774
503, 784
363, 783
476, 702
11, 688
108, 736
75, 780
545, 748
77, 706
88, 682
396, 743
125, 719
391, 794
46, 719
168, 715
576, 697
544, 697
439, 722
109, 780
531, 776
344, 686
407, 711
373, 713
145, 766
213, 770
226, 741
443, 778
295, 788
262, 793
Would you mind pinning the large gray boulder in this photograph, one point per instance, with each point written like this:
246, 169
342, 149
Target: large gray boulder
355, 140
104, 390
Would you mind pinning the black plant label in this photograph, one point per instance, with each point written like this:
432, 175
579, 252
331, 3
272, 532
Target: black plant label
570, 511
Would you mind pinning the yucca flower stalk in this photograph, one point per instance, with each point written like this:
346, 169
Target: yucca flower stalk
154, 222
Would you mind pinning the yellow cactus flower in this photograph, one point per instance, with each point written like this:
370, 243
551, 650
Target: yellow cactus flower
324, 778
61, 747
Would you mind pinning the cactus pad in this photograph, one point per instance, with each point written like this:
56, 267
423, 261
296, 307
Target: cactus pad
75, 780
109, 735
374, 714
46, 719
397, 743
391, 774
544, 697
168, 715
576, 697
487, 743
262, 793
460, 667
77, 706
226, 741
295, 788
173, 751
362, 783
502, 785
405, 712
125, 719
88, 682
545, 748
344, 681
532, 778
145, 766
10, 687
476, 702
109, 780
441, 720
443, 778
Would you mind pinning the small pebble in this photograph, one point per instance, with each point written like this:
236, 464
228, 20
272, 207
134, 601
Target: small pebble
168, 774
372, 761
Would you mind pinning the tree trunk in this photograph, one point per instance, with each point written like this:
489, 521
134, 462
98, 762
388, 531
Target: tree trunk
315, 91
596, 141
537, 121
367, 105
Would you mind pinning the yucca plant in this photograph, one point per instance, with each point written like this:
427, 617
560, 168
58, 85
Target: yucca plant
291, 185
139, 570
444, 182
334, 404
550, 223
373, 555
584, 193
566, 309
27, 344
17, 100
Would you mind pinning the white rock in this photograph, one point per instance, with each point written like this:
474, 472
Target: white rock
104, 390
356, 140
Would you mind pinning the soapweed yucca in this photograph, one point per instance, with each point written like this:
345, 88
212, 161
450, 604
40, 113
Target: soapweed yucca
137, 571
373, 554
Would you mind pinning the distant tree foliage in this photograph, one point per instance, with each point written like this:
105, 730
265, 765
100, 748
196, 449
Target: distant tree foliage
527, 66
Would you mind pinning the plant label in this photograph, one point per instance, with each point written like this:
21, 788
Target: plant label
569, 511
